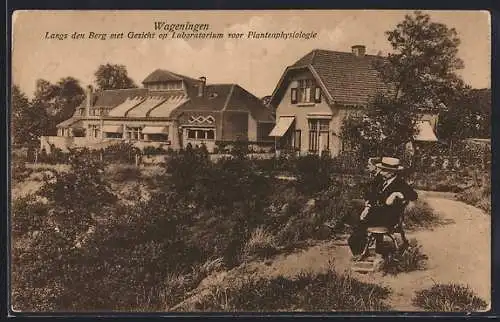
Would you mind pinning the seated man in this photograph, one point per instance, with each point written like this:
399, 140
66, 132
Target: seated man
385, 201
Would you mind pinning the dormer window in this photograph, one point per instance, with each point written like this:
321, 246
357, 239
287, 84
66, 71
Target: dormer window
166, 86
305, 91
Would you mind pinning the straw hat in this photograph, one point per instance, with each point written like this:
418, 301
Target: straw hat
390, 164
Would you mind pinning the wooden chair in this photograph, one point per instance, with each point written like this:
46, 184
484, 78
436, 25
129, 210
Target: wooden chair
379, 232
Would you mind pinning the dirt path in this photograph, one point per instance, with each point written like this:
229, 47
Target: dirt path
458, 252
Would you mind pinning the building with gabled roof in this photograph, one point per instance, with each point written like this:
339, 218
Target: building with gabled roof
317, 92
171, 110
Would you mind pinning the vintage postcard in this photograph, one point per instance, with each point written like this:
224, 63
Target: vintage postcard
250, 161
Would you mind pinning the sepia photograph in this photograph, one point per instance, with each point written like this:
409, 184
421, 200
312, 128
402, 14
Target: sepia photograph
250, 161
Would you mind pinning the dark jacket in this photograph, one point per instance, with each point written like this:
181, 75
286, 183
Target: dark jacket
377, 196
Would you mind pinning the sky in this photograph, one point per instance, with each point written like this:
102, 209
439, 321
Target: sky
256, 65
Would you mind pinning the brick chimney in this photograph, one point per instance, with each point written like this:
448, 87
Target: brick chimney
88, 99
358, 50
201, 86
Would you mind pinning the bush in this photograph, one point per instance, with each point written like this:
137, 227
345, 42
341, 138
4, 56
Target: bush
19, 171
328, 291
153, 150
448, 298
28, 215
412, 259
313, 173
53, 273
445, 180
55, 156
479, 194
121, 152
420, 215
122, 172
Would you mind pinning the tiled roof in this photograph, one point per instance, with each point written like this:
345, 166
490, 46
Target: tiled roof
349, 79
230, 97
143, 102
114, 97
161, 75
215, 99
243, 100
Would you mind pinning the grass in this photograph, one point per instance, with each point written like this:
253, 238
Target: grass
413, 259
327, 292
449, 298
262, 244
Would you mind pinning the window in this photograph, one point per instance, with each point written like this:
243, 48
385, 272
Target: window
317, 94
319, 134
201, 134
158, 137
111, 135
94, 130
294, 96
166, 86
134, 133
297, 139
306, 92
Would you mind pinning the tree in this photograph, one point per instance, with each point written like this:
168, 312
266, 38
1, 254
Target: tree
113, 77
468, 116
28, 120
382, 128
422, 67
420, 73
59, 100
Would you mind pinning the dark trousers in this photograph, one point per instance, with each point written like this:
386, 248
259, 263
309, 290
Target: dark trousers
376, 217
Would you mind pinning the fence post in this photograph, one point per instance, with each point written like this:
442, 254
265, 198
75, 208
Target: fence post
136, 159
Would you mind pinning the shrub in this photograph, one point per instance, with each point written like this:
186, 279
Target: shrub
28, 215
448, 298
122, 172
328, 291
313, 173
121, 152
412, 259
153, 150
19, 171
446, 180
479, 194
420, 215
52, 273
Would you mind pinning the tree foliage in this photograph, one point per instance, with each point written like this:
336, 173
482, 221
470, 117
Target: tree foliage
424, 61
58, 100
111, 76
382, 128
28, 120
469, 116
421, 73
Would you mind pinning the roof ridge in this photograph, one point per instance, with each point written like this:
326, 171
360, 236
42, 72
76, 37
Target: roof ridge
313, 56
229, 95
345, 52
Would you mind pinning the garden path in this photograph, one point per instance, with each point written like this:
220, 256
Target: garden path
458, 252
